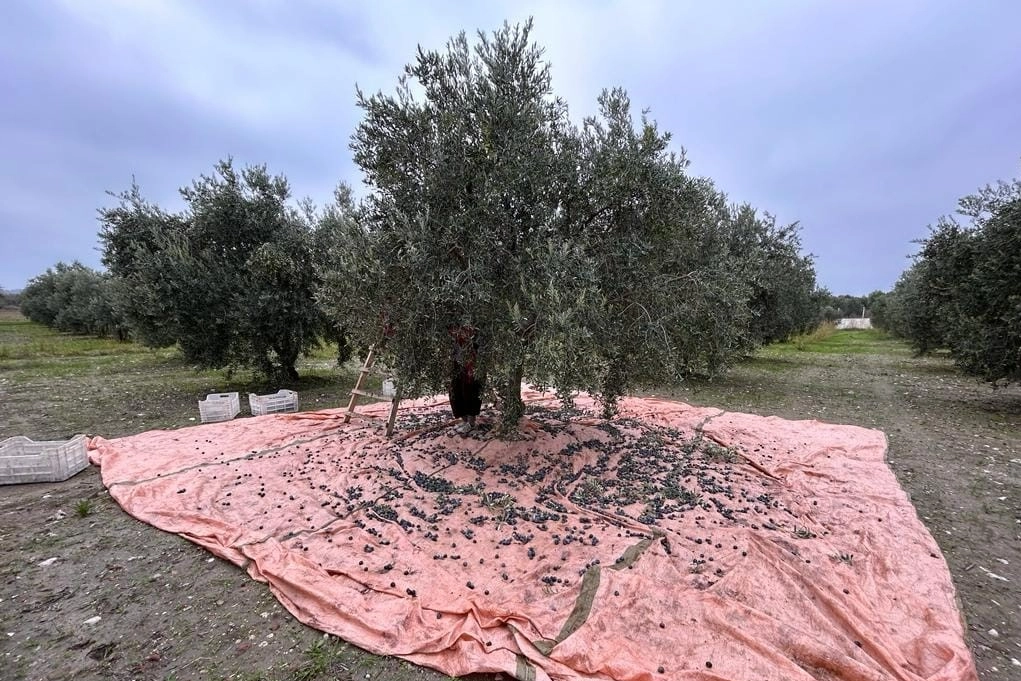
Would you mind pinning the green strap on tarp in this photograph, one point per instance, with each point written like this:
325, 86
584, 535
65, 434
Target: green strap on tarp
583, 605
587, 595
635, 552
525, 671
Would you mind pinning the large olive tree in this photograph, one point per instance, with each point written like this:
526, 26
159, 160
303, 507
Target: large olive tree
584, 257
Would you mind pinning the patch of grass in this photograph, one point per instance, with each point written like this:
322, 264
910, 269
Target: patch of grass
849, 341
23, 339
319, 657
815, 336
84, 508
255, 676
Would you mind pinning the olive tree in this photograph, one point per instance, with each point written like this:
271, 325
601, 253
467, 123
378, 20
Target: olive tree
464, 224
670, 300
783, 298
76, 299
230, 279
987, 338
9, 298
963, 291
583, 257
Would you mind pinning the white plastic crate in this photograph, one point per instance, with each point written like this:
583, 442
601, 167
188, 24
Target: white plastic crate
219, 407
24, 460
281, 400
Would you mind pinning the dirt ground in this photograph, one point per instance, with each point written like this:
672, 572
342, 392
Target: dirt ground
168, 610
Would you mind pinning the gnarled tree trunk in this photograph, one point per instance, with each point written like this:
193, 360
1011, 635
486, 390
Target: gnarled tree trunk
512, 406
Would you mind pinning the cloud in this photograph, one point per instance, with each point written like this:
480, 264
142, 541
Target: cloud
864, 121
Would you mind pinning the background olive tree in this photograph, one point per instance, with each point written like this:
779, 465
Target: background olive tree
782, 280
230, 279
9, 299
669, 301
75, 299
963, 292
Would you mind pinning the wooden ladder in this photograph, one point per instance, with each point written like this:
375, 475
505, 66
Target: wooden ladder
356, 392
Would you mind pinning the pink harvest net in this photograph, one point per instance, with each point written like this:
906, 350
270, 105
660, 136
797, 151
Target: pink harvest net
672, 542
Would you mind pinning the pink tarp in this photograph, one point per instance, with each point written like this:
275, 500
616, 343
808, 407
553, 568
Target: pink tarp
673, 542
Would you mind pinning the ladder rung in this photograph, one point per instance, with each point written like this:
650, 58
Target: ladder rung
366, 393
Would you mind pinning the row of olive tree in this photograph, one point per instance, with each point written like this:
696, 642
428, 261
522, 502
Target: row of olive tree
76, 299
584, 257
963, 291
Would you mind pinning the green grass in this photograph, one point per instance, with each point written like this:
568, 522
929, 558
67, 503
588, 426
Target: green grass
54, 385
816, 335
319, 657
850, 341
22, 339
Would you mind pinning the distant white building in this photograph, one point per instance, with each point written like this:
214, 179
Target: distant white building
854, 323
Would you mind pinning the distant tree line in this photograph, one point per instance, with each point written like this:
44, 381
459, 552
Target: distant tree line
963, 291
580, 256
841, 306
9, 299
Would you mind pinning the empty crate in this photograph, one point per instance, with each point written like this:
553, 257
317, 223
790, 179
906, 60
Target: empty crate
23, 460
281, 400
219, 407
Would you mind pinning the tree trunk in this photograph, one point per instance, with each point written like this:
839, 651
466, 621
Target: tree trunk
510, 397
613, 387
287, 361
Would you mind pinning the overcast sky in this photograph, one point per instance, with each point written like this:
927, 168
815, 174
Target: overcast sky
864, 121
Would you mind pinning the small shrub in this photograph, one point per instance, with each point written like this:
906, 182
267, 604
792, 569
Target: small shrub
85, 507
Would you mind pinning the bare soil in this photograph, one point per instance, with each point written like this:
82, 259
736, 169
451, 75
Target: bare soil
169, 610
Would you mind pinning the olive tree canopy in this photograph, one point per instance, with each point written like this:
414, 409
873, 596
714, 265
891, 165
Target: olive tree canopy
583, 256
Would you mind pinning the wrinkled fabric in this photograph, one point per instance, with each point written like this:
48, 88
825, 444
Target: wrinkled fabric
674, 542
